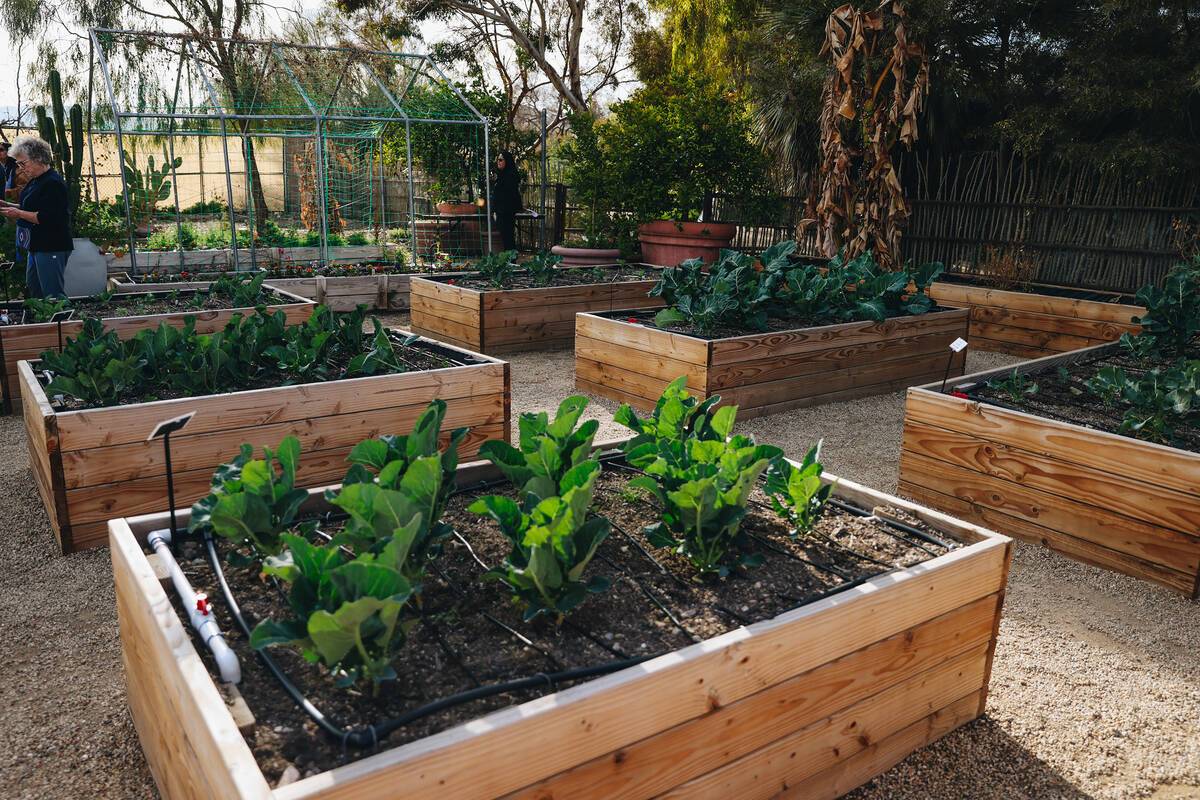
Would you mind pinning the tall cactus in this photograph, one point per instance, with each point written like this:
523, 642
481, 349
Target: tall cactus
68, 156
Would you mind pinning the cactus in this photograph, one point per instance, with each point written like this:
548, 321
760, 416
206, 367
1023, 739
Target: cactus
147, 189
68, 156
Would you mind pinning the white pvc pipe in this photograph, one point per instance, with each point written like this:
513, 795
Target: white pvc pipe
198, 610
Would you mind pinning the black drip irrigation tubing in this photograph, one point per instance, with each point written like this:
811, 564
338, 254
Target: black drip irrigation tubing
838, 544
370, 735
901, 526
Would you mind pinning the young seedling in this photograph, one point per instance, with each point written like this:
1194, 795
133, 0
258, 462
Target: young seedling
1016, 386
797, 493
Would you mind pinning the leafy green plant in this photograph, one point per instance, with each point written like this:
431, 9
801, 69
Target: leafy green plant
1155, 404
245, 291
542, 268
797, 493
548, 450
552, 542
42, 309
206, 207
1172, 315
1016, 386
248, 502
356, 239
346, 613
699, 472
96, 367
497, 268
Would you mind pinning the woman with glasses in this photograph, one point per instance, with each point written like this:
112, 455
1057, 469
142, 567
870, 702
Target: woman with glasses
43, 221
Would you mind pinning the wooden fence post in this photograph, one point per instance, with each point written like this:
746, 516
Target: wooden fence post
560, 213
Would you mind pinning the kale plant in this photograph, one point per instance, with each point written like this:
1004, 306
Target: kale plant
797, 493
677, 415
498, 268
43, 309
1155, 404
245, 292
96, 366
542, 268
1172, 315
1015, 387
553, 540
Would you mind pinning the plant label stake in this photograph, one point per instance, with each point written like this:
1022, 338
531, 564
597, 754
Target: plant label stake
58, 317
164, 429
956, 347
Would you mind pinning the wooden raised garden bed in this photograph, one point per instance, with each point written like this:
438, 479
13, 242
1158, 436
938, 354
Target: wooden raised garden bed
763, 373
1036, 325
511, 320
812, 702
1112, 501
217, 258
93, 465
26, 342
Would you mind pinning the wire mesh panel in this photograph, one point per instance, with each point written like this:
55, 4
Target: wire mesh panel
242, 154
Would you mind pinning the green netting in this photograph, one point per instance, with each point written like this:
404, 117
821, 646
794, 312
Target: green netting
266, 154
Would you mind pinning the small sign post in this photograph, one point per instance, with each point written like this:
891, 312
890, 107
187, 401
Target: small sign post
164, 430
956, 347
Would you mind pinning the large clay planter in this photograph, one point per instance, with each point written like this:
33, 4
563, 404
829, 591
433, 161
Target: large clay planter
586, 256
667, 243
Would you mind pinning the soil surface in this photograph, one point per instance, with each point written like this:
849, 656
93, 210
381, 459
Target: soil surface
1062, 394
470, 634
569, 276
136, 305
1095, 687
774, 324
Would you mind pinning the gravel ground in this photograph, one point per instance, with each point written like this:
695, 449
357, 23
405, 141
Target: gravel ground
1095, 687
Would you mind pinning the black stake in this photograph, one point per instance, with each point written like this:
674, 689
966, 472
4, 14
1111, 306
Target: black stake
946, 377
956, 347
170, 481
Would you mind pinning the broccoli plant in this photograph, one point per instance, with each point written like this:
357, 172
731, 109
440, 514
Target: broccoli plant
249, 503
797, 493
548, 450
346, 613
552, 543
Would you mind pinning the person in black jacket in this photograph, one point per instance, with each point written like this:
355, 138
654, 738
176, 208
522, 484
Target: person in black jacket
506, 198
9, 166
43, 220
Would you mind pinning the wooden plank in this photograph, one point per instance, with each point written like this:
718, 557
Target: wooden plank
529, 336
190, 741
1058, 342
97, 503
443, 338
679, 754
594, 718
42, 442
882, 755
1050, 323
660, 367
1114, 493
741, 373
643, 338
588, 294
1008, 348
1089, 552
902, 372
766, 772
807, 340
750, 412
439, 290
953, 294
1082, 523
616, 395
108, 426
431, 310
102, 465
554, 312
618, 379
1119, 456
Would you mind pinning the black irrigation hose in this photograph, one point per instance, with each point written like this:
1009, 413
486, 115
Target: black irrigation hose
891, 523
449, 651
369, 735
646, 591
836, 543
788, 554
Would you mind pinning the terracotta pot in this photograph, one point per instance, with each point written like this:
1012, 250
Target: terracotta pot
586, 256
667, 243
458, 209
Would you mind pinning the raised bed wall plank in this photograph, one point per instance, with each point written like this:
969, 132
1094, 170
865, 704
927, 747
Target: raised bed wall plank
514, 320
1112, 501
1036, 325
96, 464
824, 697
769, 372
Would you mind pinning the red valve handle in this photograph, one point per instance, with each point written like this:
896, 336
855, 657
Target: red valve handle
202, 604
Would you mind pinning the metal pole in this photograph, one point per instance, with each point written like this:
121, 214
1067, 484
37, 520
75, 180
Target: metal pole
542, 238
170, 481
174, 175
225, 148
487, 185
382, 196
112, 99
412, 216
250, 201
91, 141
319, 152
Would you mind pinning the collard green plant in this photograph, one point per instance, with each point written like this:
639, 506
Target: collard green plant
42, 309
246, 292
498, 268
548, 450
677, 415
1156, 403
553, 541
797, 493
346, 613
1172, 315
249, 503
542, 268
96, 366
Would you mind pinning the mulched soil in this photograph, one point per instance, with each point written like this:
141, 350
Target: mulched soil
136, 305
1064, 397
456, 647
573, 276
416, 357
774, 324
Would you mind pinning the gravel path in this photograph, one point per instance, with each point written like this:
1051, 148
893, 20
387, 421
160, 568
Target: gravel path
1095, 687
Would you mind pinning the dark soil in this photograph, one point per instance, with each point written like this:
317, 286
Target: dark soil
455, 647
774, 324
416, 357
571, 276
1067, 399
136, 305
